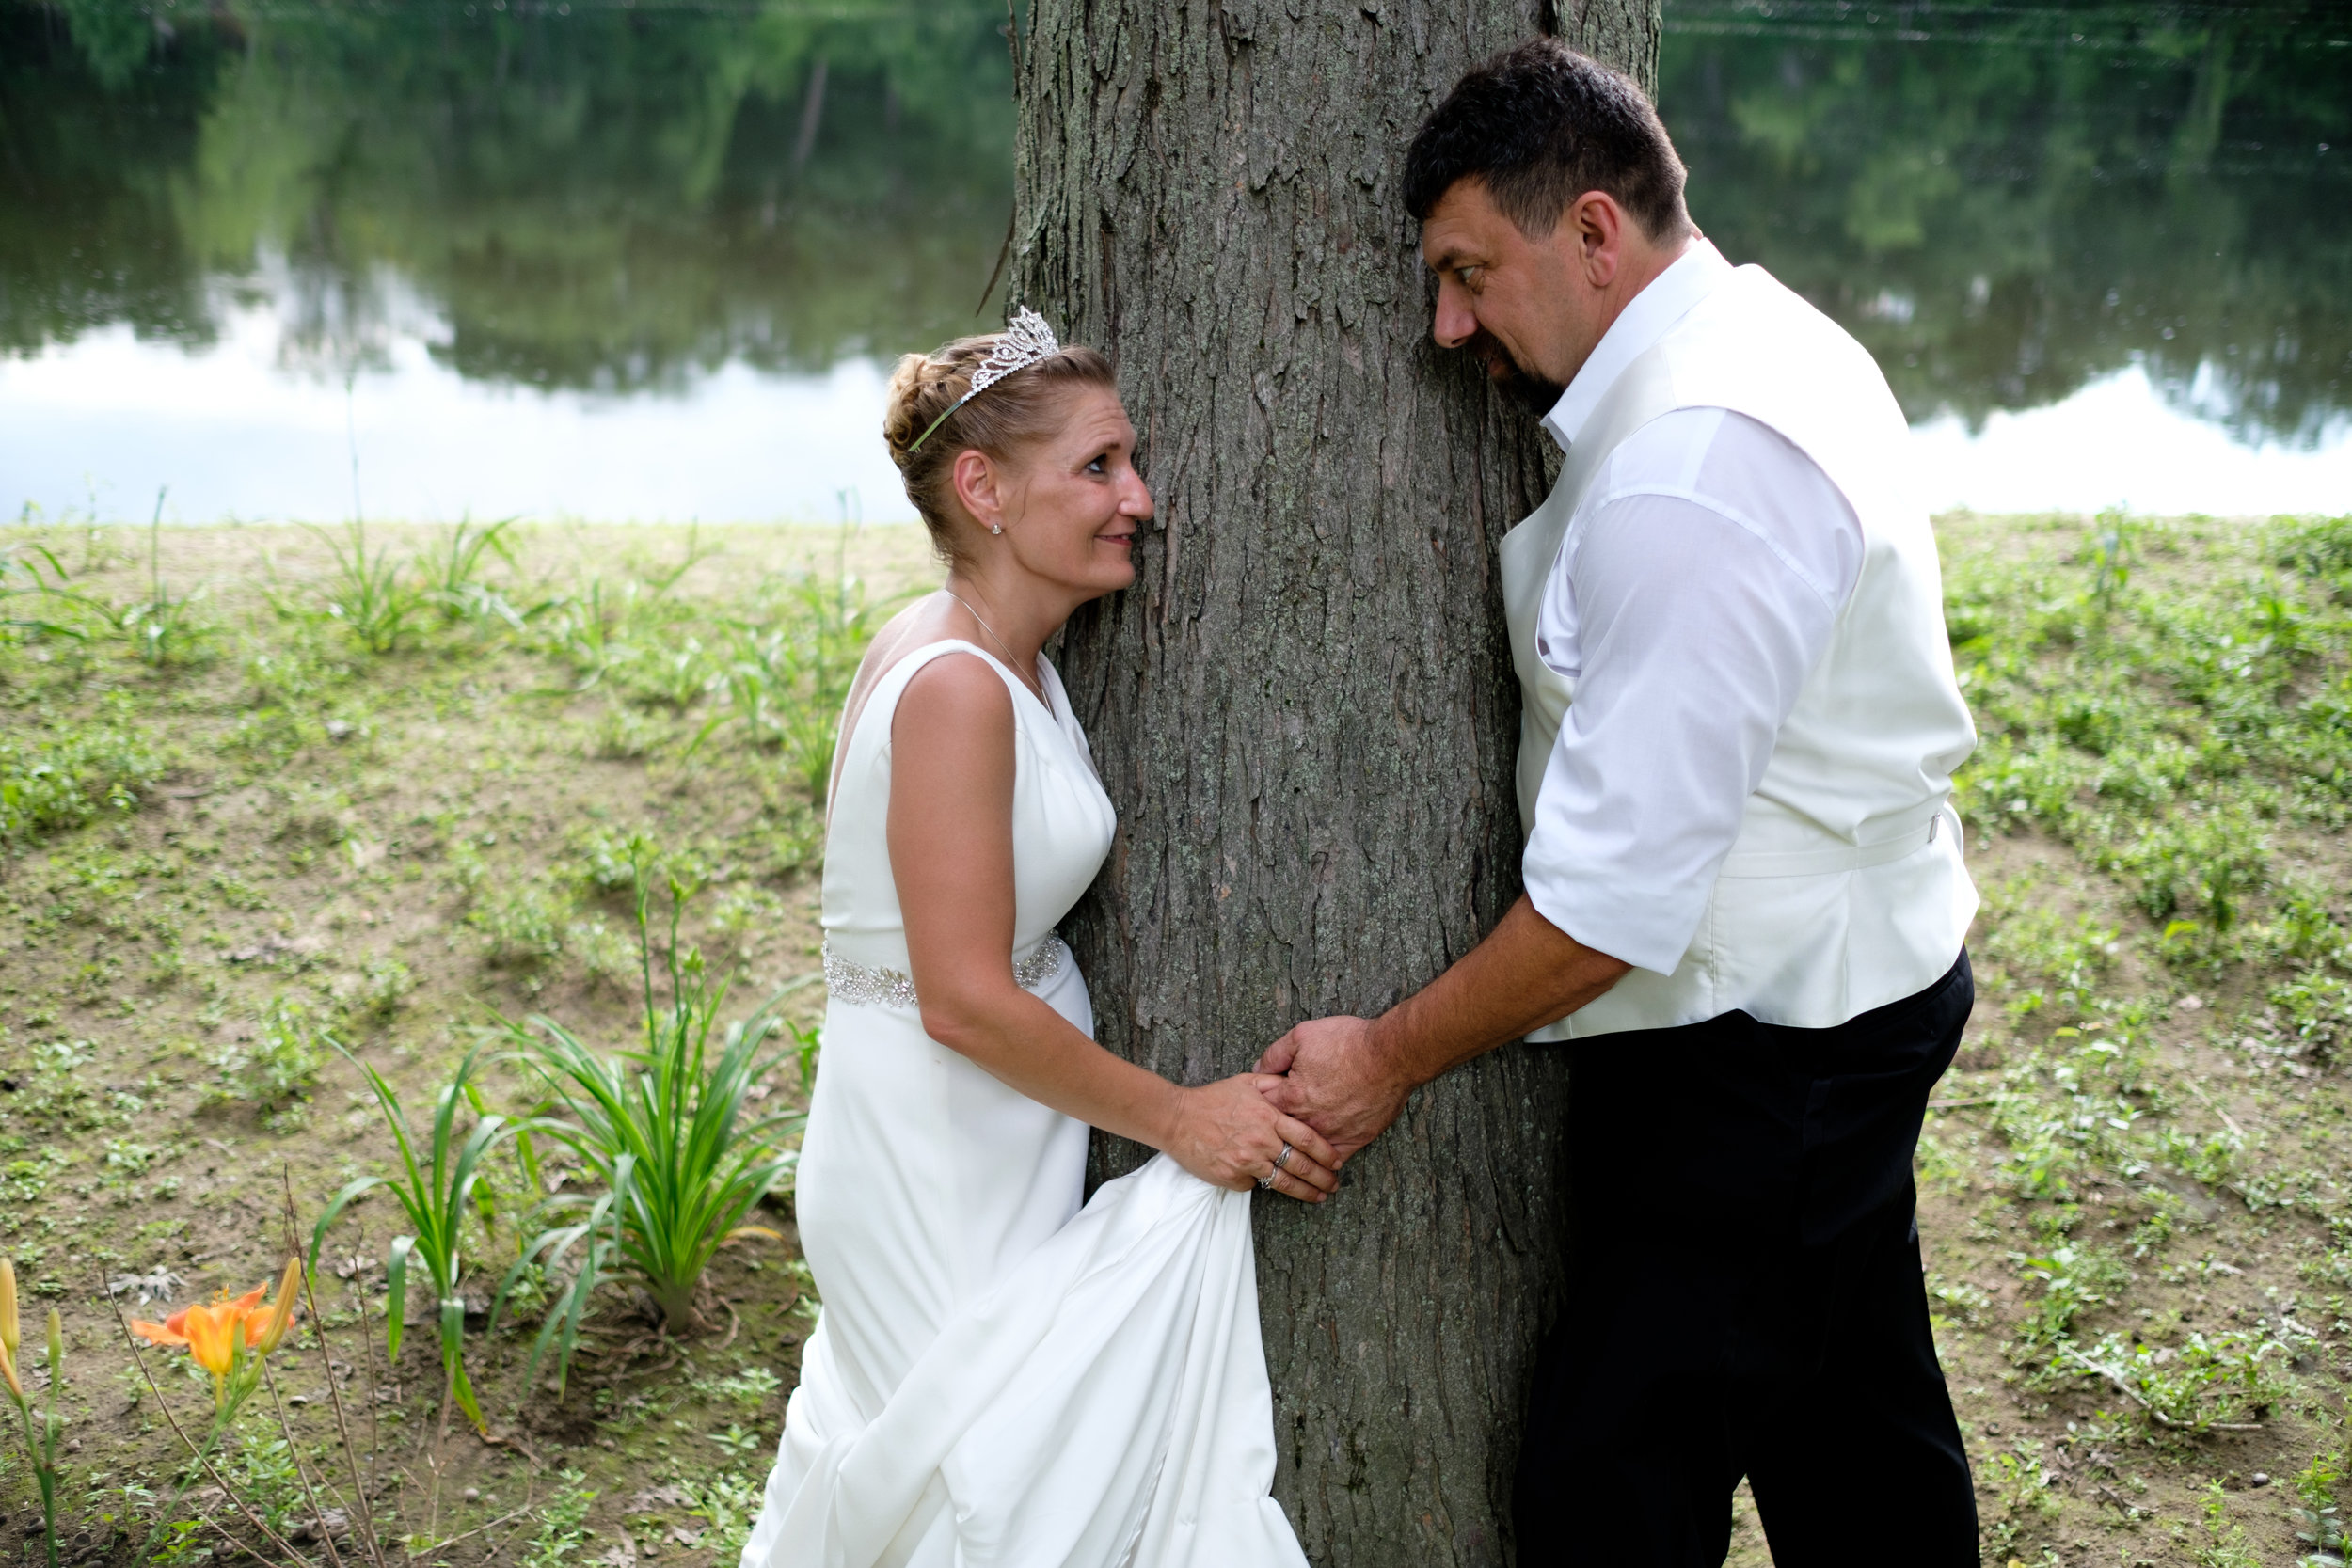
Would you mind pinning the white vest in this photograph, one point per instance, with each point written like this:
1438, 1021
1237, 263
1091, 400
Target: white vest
1845, 889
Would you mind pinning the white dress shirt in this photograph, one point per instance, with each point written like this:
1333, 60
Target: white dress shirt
1695, 588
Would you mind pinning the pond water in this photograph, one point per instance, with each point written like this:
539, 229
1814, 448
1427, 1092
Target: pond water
649, 259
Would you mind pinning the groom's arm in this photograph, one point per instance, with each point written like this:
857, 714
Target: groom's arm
1347, 1077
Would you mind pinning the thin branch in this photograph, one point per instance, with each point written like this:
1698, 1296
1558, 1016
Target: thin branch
2197, 1089
326, 1355
293, 1451
2123, 1386
1004, 254
367, 1360
249, 1551
530, 1491
440, 1451
444, 1545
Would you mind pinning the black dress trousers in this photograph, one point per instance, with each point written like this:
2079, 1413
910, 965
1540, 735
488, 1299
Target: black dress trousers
1745, 1299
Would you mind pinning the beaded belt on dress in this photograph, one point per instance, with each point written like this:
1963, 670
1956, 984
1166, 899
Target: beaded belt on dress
872, 985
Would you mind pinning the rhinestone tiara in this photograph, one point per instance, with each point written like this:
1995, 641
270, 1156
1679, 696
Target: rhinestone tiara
1025, 341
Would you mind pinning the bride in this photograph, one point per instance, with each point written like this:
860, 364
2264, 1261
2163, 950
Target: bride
999, 1376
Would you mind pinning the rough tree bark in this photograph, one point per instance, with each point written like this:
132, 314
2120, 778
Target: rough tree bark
1305, 708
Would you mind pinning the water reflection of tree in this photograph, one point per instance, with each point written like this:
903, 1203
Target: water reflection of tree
609, 198
2005, 202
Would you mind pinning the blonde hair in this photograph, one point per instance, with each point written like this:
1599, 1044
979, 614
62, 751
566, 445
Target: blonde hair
1012, 415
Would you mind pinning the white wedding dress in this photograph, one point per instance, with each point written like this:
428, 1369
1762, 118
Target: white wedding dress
997, 1376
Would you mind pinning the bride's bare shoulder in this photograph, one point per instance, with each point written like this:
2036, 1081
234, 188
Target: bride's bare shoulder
904, 633
954, 704
913, 627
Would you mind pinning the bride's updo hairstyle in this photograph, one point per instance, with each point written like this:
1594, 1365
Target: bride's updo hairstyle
1007, 417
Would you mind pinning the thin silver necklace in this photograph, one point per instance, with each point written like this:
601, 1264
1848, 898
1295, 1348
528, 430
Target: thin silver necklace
1013, 661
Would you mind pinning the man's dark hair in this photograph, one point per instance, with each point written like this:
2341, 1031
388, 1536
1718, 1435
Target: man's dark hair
1540, 125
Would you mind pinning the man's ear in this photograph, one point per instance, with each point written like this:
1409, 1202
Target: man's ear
978, 487
1596, 224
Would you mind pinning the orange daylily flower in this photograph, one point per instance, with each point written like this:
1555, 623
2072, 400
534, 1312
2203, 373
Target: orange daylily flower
212, 1333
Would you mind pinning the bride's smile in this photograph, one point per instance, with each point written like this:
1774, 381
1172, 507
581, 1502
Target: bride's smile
1071, 513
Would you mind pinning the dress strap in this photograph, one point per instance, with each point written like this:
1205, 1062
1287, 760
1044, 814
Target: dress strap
893, 685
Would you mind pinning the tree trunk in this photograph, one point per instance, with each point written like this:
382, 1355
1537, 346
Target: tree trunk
1305, 708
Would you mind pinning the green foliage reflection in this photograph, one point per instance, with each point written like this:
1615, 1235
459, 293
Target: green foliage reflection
2006, 201
610, 196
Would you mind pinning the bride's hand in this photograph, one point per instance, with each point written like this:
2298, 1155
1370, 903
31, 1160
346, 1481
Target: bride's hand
1229, 1135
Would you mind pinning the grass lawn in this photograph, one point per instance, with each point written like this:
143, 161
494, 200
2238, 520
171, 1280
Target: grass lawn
266, 792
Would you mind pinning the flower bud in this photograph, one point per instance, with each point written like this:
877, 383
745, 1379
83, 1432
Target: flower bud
282, 1310
9, 1330
57, 1345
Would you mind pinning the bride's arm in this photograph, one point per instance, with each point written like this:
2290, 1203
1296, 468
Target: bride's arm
951, 781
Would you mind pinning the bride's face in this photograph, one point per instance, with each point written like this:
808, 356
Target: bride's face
1071, 509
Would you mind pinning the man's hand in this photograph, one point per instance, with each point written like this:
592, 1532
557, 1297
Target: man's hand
1337, 1080
1347, 1077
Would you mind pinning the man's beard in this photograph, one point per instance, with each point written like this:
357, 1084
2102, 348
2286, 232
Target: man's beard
1526, 388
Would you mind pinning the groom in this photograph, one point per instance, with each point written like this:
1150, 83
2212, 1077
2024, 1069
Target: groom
1744, 899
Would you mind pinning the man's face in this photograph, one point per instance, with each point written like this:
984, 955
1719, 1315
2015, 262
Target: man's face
1528, 308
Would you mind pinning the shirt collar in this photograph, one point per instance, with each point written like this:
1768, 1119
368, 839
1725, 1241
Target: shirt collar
1666, 300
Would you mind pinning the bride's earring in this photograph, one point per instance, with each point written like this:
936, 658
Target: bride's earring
995, 528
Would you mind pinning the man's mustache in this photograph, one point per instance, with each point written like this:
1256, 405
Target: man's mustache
1527, 388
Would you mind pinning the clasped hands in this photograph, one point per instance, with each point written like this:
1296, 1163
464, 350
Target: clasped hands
1336, 1075
1319, 1094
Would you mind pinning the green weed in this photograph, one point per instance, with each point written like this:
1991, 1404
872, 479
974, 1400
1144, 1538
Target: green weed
2204, 867
163, 627
451, 569
435, 1187
368, 593
603, 954
663, 1127
33, 580
624, 735
2026, 1492
750, 1387
743, 915
261, 1466
276, 1068
562, 1523
2068, 955
2221, 1380
728, 1503
2072, 1281
2319, 1520
605, 861
58, 773
384, 987
791, 672
2225, 1544
2110, 552
522, 926
2317, 1008
2315, 546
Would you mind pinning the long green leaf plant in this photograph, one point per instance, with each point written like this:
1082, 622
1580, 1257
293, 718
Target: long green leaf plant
435, 1187
665, 1130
